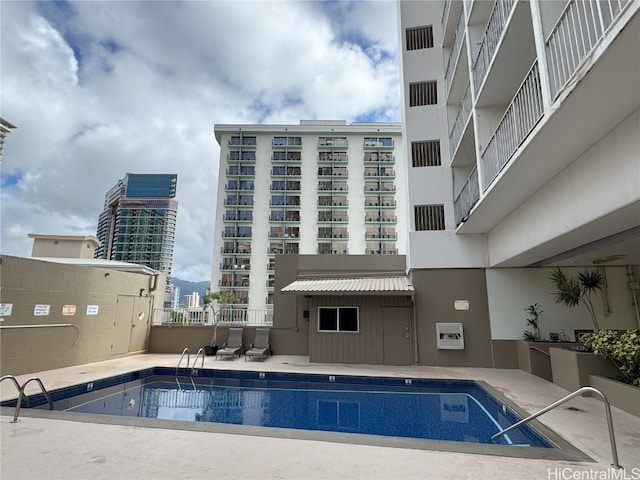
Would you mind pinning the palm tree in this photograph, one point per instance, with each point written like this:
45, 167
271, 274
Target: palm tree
572, 291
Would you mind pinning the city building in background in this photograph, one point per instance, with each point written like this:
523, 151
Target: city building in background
192, 300
138, 223
320, 187
5, 128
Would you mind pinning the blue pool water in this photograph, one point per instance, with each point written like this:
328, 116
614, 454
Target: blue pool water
411, 408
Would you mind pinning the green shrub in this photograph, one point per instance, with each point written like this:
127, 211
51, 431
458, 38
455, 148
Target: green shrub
622, 349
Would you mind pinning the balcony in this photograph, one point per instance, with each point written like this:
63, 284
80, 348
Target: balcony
381, 236
524, 112
382, 187
382, 251
381, 204
238, 187
332, 157
278, 218
240, 172
237, 218
329, 172
242, 142
327, 250
333, 202
381, 172
234, 266
490, 40
288, 172
579, 29
288, 187
462, 119
236, 251
288, 142
286, 157
335, 143
333, 235
377, 219
378, 143
591, 103
456, 48
467, 198
332, 187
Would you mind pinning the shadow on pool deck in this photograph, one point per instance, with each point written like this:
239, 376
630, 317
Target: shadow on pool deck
47, 444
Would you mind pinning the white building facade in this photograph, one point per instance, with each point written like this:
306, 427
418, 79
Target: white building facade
527, 123
320, 187
534, 107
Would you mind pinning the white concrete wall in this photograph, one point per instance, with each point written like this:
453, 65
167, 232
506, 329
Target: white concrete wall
432, 185
511, 290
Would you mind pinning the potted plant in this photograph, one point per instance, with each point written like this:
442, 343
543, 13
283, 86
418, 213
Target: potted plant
533, 321
623, 350
571, 291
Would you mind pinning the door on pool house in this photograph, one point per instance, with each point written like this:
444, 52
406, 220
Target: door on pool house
396, 331
130, 324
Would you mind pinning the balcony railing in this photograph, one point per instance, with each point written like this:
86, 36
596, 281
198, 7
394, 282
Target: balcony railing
445, 12
455, 51
242, 141
464, 110
227, 316
490, 39
467, 198
522, 115
381, 236
393, 251
580, 28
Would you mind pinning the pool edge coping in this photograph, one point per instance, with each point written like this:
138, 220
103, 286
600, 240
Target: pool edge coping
564, 450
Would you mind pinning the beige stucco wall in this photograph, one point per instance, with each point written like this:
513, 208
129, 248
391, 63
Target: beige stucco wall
119, 327
436, 292
63, 248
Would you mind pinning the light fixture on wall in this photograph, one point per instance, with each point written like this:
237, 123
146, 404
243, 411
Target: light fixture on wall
608, 259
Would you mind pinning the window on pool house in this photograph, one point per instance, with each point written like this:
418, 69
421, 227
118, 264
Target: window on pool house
337, 319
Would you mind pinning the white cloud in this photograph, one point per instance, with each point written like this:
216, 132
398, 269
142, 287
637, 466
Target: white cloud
99, 89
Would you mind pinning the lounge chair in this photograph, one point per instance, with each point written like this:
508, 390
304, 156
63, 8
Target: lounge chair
233, 346
260, 348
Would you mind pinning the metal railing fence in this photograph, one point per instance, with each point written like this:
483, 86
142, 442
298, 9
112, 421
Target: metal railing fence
523, 113
200, 316
579, 29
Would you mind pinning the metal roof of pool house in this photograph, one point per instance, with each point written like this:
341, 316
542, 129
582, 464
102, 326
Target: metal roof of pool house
397, 285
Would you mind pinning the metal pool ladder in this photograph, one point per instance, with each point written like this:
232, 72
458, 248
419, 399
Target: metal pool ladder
21, 394
607, 409
195, 361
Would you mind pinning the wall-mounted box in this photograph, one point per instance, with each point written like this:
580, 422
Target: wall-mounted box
449, 336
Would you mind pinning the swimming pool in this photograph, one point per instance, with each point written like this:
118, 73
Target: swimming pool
443, 410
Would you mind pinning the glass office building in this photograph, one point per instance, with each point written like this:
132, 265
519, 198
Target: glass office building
138, 223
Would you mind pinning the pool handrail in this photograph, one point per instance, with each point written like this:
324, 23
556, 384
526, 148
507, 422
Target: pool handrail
186, 350
15, 382
21, 396
580, 391
198, 355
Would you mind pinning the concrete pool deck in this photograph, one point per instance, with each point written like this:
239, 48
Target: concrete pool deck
43, 445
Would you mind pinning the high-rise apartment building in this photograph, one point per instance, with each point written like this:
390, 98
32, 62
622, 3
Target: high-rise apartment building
534, 108
536, 133
138, 223
320, 187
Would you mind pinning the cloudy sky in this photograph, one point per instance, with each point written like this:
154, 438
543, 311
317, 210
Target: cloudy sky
98, 89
